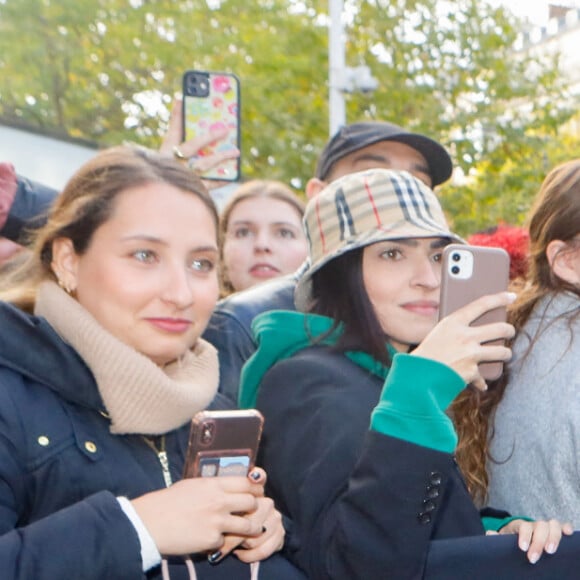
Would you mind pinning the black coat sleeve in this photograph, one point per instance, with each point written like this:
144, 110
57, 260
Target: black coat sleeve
230, 327
91, 539
29, 209
231, 335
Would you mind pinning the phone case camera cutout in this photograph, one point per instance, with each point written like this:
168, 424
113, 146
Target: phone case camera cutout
211, 101
223, 443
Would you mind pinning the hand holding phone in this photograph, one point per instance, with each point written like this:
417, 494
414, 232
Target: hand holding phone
211, 104
223, 443
469, 272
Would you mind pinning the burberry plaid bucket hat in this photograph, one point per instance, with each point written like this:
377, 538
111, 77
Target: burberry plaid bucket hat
365, 208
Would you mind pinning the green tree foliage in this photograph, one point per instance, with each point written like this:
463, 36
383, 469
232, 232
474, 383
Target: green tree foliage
504, 184
107, 70
452, 72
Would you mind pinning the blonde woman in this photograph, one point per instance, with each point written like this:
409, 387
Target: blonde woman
261, 233
101, 368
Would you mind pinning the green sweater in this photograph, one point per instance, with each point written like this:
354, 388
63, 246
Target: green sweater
415, 396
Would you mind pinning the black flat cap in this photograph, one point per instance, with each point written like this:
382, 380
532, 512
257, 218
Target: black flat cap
351, 138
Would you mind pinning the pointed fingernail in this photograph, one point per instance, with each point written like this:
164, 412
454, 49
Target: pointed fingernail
215, 557
551, 548
534, 558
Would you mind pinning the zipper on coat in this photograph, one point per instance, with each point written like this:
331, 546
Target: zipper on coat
162, 457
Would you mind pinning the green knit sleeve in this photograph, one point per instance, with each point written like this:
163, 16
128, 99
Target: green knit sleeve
413, 402
496, 524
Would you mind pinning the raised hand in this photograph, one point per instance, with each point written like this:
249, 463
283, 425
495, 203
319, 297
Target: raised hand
8, 186
187, 151
462, 347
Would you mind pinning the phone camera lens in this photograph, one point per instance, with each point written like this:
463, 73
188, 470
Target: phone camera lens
197, 85
455, 270
456, 257
207, 432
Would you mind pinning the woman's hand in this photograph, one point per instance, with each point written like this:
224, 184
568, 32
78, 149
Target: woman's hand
187, 151
269, 521
194, 515
270, 540
462, 347
537, 537
8, 187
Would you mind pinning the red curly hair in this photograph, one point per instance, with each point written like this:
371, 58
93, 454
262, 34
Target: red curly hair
515, 240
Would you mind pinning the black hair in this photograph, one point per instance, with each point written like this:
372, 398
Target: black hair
338, 291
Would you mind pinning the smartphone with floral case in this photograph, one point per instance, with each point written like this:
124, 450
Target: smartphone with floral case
211, 101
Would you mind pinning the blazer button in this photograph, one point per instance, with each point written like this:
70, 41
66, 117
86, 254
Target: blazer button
424, 518
432, 492
429, 505
435, 478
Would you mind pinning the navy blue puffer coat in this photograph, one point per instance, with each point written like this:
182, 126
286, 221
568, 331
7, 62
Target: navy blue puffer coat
61, 469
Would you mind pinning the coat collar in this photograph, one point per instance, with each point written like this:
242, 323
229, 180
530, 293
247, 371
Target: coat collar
30, 347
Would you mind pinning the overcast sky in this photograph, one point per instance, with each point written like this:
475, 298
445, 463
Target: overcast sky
535, 10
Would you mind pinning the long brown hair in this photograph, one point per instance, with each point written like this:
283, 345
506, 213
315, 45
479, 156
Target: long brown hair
555, 215
86, 203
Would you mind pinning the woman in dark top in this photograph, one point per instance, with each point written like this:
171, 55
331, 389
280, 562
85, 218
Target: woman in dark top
355, 387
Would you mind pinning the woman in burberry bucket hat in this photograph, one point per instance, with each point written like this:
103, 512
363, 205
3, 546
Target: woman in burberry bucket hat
367, 349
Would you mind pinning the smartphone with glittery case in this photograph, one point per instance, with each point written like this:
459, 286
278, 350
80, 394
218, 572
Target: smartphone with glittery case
211, 100
223, 443
469, 272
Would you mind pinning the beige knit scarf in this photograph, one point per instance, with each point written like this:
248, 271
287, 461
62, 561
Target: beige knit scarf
139, 396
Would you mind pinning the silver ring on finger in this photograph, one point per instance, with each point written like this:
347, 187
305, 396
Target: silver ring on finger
178, 154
